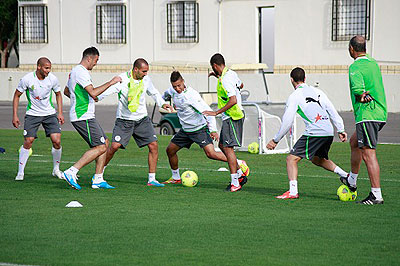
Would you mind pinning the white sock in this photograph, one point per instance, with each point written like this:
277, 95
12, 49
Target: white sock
377, 193
352, 179
72, 170
235, 179
23, 158
175, 174
239, 171
152, 177
340, 172
56, 157
104, 168
98, 178
293, 187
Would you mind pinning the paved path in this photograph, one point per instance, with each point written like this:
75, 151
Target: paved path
106, 116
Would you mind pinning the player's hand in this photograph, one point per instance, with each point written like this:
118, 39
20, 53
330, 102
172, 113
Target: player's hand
16, 122
271, 145
365, 97
214, 136
61, 119
167, 107
343, 136
209, 113
115, 79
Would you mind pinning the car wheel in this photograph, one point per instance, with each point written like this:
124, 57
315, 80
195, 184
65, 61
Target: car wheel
166, 129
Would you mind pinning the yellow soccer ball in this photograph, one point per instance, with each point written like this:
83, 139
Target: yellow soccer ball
345, 194
253, 147
189, 179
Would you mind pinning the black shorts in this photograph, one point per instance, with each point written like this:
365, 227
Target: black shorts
142, 131
185, 139
367, 133
231, 132
308, 147
49, 123
91, 132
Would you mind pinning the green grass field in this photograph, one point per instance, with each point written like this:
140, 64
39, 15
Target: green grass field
136, 224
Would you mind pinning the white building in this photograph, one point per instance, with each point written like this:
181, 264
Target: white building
282, 33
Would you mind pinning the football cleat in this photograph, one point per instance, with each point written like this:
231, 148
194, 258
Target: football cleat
242, 181
287, 195
370, 200
232, 188
57, 173
19, 177
172, 181
345, 180
102, 184
71, 180
154, 183
245, 169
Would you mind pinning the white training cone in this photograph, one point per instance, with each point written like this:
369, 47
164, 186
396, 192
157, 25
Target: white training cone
74, 204
223, 169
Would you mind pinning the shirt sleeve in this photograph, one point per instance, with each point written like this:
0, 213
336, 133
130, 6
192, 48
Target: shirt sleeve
22, 85
153, 93
333, 114
287, 119
56, 84
116, 88
357, 85
200, 106
83, 78
230, 84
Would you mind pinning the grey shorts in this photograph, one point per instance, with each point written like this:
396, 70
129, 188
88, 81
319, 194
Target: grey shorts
367, 133
308, 147
185, 139
49, 123
142, 131
91, 132
231, 132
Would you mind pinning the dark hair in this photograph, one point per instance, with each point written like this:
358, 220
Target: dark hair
175, 76
139, 62
298, 74
91, 51
358, 43
217, 59
43, 60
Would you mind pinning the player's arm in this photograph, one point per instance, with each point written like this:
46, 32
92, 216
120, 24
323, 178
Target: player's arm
94, 92
60, 115
335, 117
232, 101
200, 106
15, 121
116, 88
287, 121
66, 92
357, 87
155, 94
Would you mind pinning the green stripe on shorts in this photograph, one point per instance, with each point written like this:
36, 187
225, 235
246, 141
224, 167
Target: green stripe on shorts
366, 134
88, 130
234, 131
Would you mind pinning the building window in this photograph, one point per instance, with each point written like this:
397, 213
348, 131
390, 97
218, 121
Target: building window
183, 22
350, 18
111, 23
33, 24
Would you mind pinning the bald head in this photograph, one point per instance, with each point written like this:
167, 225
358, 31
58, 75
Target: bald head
139, 63
358, 43
42, 61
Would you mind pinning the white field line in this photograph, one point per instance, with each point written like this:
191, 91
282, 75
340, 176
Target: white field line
12, 264
213, 170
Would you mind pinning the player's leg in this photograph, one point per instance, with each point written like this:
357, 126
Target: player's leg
214, 155
172, 150
53, 130
144, 135
356, 158
111, 150
31, 125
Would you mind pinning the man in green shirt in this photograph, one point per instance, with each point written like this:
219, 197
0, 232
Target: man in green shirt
369, 104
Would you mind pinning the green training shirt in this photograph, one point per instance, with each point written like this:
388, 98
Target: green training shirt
365, 75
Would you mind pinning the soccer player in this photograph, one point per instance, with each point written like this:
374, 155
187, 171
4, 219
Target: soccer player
369, 105
317, 112
230, 106
195, 127
132, 118
82, 93
40, 111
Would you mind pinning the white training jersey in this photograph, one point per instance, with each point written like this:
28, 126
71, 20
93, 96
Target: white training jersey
316, 110
122, 89
232, 83
190, 107
82, 104
38, 93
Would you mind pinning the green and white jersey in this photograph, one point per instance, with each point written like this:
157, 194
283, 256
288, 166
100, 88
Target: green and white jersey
38, 93
365, 75
122, 88
232, 83
82, 104
190, 107
316, 110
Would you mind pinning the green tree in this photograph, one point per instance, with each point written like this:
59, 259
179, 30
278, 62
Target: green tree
8, 29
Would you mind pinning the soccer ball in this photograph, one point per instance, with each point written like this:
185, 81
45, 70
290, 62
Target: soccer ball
30, 151
345, 194
189, 179
253, 147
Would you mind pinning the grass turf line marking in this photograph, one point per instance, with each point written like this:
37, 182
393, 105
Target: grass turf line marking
163, 167
12, 264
